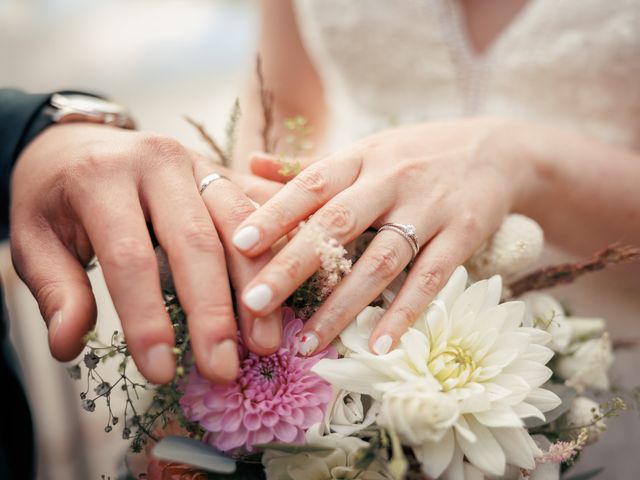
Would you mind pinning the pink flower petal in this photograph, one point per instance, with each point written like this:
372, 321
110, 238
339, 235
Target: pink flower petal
231, 420
285, 432
269, 419
252, 421
229, 440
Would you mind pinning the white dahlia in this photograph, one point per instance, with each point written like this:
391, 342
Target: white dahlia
459, 383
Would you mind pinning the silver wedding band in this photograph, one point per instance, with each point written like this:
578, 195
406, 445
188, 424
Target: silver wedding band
209, 179
407, 231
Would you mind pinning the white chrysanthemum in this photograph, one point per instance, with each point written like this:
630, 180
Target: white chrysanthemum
476, 373
588, 365
545, 312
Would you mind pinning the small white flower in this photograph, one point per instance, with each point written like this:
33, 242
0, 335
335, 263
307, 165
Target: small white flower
588, 364
584, 328
336, 465
417, 412
545, 312
472, 350
583, 413
350, 412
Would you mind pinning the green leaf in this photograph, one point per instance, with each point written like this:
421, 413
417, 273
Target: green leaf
195, 453
566, 394
293, 449
586, 475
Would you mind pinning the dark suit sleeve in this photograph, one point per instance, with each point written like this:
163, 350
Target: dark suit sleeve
18, 111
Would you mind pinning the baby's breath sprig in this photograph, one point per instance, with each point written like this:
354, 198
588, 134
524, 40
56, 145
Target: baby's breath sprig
138, 424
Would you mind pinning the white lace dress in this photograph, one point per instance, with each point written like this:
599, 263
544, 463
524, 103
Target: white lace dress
571, 63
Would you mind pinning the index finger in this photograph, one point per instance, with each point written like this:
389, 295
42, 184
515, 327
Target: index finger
296, 201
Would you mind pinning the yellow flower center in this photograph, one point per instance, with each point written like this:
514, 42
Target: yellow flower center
453, 365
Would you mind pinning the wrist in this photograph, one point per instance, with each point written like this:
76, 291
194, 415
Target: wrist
522, 144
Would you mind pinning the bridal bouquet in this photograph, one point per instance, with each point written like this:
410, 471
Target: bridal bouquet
493, 380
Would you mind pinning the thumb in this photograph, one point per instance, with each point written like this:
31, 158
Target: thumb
279, 168
61, 288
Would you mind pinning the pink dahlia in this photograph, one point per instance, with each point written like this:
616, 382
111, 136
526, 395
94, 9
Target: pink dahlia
274, 398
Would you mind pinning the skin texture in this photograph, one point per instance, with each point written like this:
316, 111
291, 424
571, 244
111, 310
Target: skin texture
455, 181
82, 189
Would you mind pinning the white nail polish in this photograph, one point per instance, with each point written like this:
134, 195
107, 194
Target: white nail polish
246, 238
258, 297
382, 345
308, 343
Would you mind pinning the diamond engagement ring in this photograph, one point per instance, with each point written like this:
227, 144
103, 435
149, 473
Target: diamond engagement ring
407, 231
209, 179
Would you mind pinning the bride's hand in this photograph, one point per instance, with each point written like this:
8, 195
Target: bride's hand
80, 189
453, 181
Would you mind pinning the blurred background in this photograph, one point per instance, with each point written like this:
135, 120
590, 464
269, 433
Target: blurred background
161, 58
164, 59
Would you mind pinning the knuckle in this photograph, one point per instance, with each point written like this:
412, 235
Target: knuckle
471, 224
408, 170
339, 219
429, 282
200, 236
311, 181
45, 291
290, 266
239, 210
163, 148
276, 214
129, 253
404, 316
384, 262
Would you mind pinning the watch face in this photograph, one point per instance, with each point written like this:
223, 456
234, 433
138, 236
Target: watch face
85, 104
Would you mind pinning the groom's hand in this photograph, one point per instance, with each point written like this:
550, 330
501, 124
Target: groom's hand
82, 189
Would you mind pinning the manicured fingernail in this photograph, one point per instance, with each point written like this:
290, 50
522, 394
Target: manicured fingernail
382, 345
54, 327
308, 343
258, 297
223, 360
266, 332
246, 238
160, 360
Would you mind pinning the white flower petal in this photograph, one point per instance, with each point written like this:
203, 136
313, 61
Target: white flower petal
494, 292
436, 456
537, 336
485, 453
532, 372
526, 410
415, 346
516, 385
349, 374
544, 400
499, 417
455, 470
518, 446
467, 307
538, 353
463, 430
454, 287
356, 336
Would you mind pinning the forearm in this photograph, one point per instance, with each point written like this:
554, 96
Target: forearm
584, 193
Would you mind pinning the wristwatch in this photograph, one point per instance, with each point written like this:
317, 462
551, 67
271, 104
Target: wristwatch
76, 107
67, 107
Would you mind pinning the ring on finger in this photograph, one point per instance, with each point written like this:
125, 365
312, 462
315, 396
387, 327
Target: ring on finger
209, 179
407, 231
